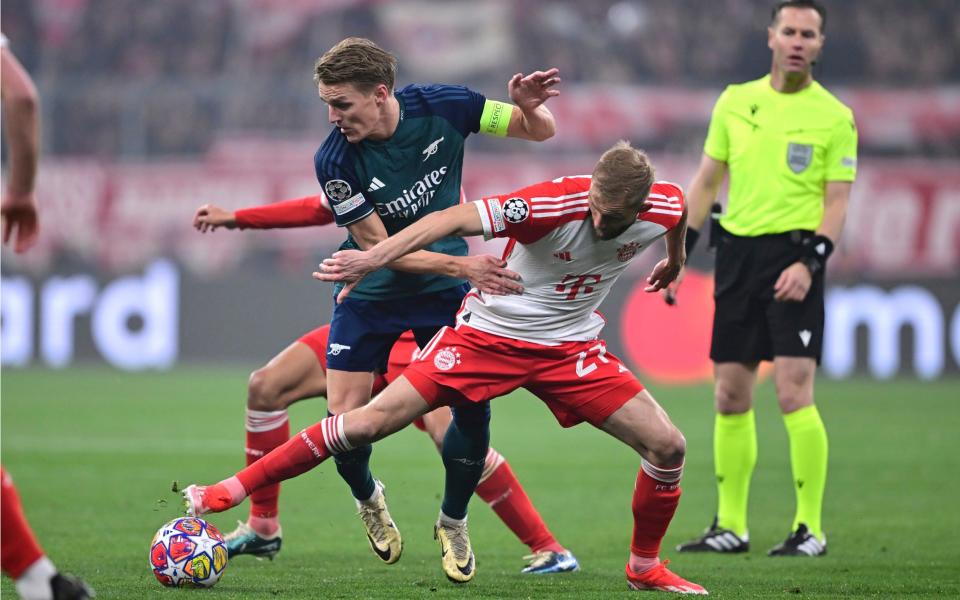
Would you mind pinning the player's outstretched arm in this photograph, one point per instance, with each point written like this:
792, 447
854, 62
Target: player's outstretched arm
298, 212
21, 120
370, 231
462, 220
210, 216
531, 119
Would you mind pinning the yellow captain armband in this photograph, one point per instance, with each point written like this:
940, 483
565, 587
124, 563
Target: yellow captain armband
495, 118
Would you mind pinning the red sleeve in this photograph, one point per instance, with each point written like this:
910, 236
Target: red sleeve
530, 213
667, 200
299, 212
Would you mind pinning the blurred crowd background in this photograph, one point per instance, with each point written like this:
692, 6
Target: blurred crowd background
153, 108
127, 78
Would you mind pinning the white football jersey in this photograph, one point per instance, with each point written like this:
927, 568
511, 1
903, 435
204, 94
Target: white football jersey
567, 269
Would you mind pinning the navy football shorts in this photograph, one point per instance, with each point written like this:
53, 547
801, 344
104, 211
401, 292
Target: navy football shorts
362, 332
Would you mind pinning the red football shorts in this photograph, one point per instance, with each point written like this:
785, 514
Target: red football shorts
317, 341
578, 381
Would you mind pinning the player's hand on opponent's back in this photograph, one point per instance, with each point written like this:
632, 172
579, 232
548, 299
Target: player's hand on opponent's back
793, 284
490, 275
348, 267
210, 216
20, 220
530, 91
487, 273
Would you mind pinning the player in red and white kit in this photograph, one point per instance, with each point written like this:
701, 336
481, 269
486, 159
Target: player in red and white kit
570, 240
21, 556
299, 372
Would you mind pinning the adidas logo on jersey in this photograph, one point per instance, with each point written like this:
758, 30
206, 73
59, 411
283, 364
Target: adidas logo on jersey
563, 255
375, 185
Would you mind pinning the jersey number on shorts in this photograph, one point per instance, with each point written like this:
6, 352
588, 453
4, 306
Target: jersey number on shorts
585, 369
571, 285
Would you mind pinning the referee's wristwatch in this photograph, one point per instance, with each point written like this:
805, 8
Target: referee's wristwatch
816, 251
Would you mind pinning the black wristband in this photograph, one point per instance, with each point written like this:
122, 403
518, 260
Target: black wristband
816, 251
692, 236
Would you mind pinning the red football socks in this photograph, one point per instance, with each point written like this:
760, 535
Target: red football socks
297, 455
265, 431
503, 492
19, 548
655, 499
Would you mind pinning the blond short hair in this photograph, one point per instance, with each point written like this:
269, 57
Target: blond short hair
357, 61
623, 175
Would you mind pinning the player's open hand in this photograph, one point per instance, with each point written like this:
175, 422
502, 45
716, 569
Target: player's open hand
346, 266
664, 273
530, 91
19, 215
490, 275
793, 284
669, 293
210, 216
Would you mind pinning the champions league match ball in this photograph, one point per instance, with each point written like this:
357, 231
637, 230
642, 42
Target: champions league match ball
188, 552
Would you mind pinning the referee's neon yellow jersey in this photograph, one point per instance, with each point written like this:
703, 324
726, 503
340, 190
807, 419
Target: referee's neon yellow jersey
781, 150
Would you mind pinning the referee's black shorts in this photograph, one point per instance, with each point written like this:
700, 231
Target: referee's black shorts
748, 324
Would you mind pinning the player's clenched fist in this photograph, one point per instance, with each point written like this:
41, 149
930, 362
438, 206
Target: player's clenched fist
210, 216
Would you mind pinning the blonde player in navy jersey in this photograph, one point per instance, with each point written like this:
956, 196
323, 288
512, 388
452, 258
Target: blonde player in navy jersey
570, 239
393, 157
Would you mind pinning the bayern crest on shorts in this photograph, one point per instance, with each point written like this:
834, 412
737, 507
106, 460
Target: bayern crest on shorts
446, 358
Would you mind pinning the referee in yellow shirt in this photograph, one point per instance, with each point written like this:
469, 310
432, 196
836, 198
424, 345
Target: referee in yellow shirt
791, 150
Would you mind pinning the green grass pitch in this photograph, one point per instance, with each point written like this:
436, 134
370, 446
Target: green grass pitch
94, 453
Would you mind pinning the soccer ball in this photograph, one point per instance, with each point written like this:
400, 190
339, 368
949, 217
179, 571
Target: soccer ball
188, 552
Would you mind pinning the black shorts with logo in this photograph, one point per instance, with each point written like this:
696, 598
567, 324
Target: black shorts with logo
748, 324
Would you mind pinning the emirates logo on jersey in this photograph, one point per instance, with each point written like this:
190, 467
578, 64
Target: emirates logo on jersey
627, 251
446, 358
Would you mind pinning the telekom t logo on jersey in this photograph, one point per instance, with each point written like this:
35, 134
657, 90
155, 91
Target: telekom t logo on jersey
574, 284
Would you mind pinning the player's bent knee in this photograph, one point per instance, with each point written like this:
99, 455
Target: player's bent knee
262, 391
670, 450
